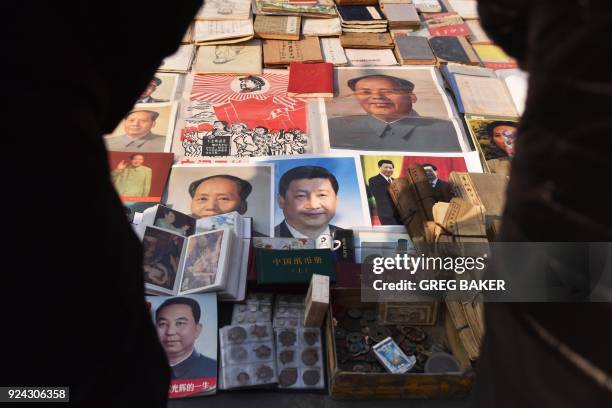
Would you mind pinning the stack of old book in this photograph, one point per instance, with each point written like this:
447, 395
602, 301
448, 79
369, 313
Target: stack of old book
400, 14
362, 19
223, 23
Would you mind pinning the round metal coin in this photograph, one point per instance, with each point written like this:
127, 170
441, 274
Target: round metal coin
311, 337
311, 377
243, 378
287, 338
238, 353
286, 356
354, 313
264, 373
288, 377
354, 337
237, 334
263, 351
310, 356
259, 331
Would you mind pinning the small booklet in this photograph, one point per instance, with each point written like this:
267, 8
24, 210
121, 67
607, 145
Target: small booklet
282, 53
225, 10
311, 80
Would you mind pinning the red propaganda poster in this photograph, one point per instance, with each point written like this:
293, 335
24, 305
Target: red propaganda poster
236, 116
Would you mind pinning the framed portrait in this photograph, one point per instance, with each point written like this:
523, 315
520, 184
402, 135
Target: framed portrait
380, 169
316, 194
214, 189
187, 329
403, 109
148, 127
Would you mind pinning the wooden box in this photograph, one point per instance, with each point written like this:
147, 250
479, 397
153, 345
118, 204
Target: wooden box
345, 384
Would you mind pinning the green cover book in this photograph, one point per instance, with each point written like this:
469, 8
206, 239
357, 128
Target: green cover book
278, 266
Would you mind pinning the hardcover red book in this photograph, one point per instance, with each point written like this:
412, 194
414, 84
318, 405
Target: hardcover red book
311, 80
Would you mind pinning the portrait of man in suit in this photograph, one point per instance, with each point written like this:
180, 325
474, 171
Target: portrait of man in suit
178, 327
138, 136
442, 189
388, 121
132, 179
378, 186
308, 196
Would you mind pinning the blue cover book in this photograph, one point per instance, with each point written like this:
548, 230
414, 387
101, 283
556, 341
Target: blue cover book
362, 14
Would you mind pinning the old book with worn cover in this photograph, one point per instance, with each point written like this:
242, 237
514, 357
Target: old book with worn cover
447, 24
467, 9
180, 61
333, 51
277, 27
313, 8
494, 57
321, 27
370, 57
401, 15
279, 53
477, 34
469, 339
453, 49
311, 80
366, 40
280, 266
480, 92
427, 6
225, 10
211, 32
361, 15
412, 50
239, 59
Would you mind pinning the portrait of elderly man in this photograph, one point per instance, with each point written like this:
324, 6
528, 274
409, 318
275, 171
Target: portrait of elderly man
138, 136
389, 121
308, 196
146, 96
178, 327
220, 194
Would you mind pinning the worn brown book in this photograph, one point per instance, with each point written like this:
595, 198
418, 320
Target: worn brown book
366, 40
278, 53
411, 50
454, 49
277, 27
463, 222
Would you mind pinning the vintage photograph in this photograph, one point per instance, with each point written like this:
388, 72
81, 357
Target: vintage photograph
187, 330
311, 190
241, 116
161, 88
161, 258
495, 139
207, 190
205, 253
380, 170
175, 221
148, 127
398, 109
139, 177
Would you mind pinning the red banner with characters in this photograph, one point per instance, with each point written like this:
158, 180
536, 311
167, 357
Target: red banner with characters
185, 388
